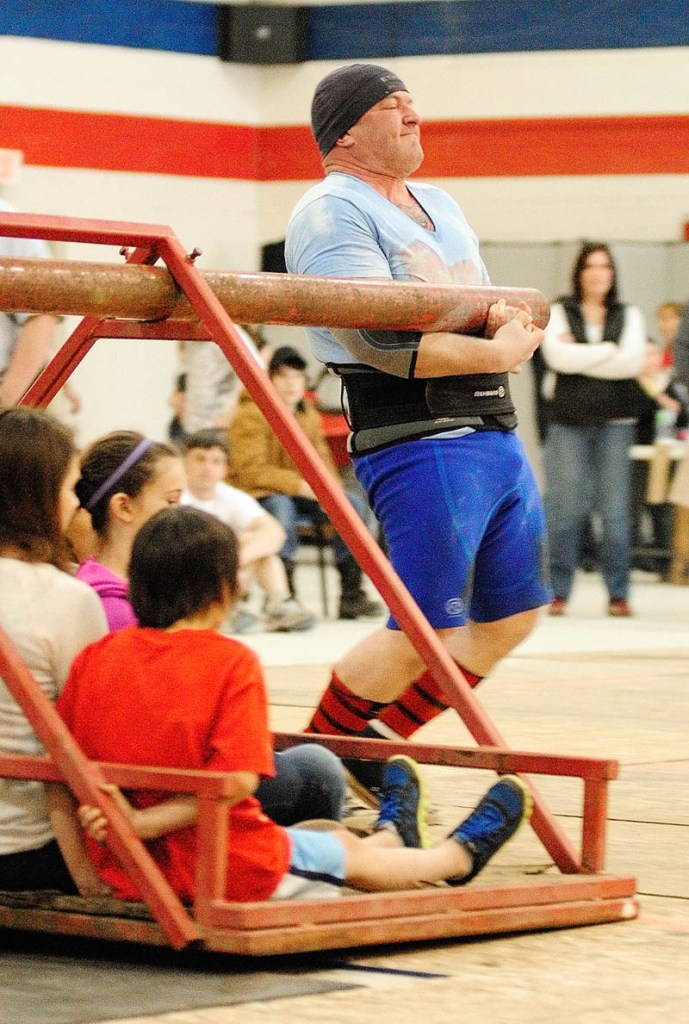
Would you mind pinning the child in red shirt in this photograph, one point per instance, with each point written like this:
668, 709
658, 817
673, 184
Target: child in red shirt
173, 692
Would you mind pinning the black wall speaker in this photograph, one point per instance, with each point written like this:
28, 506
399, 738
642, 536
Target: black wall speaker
273, 258
261, 34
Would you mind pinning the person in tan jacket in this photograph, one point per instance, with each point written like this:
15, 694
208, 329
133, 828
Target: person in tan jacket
261, 467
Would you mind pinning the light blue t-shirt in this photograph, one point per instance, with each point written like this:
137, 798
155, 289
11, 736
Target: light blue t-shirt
343, 227
11, 323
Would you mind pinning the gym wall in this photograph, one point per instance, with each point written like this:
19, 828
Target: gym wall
124, 111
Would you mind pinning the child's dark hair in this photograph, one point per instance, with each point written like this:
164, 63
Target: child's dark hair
35, 455
183, 561
206, 439
103, 461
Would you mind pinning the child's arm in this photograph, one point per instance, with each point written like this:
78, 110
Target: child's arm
148, 823
62, 811
151, 822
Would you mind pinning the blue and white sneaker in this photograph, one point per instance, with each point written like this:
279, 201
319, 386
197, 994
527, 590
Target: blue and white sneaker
402, 805
493, 822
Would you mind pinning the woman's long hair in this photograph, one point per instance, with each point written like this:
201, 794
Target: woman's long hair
586, 250
35, 455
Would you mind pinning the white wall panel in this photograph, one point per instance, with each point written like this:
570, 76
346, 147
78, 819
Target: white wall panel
128, 383
230, 220
552, 84
81, 76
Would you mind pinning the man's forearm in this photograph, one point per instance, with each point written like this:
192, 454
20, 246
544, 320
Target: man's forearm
448, 355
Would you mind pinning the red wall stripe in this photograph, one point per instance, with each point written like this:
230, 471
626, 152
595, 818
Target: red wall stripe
521, 147
647, 144
119, 142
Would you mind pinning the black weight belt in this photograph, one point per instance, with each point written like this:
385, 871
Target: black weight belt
383, 410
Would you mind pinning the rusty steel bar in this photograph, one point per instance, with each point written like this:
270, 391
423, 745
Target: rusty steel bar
131, 292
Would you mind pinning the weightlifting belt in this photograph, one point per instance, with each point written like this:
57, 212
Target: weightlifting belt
383, 409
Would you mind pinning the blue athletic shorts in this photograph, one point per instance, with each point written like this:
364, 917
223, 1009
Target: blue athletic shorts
464, 524
317, 866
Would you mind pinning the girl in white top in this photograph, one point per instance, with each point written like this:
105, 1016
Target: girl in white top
49, 616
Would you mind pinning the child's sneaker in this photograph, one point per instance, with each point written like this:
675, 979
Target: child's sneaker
288, 616
403, 801
495, 820
241, 622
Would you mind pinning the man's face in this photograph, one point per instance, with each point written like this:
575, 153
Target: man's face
290, 384
205, 468
387, 138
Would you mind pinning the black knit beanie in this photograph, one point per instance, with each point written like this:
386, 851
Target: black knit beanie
343, 96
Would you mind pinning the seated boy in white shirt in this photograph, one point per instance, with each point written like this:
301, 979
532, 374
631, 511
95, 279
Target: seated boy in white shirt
260, 535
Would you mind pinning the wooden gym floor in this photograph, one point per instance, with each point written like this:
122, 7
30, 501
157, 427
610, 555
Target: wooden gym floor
584, 684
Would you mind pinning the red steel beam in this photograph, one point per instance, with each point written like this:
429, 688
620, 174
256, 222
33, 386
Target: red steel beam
212, 314
359, 540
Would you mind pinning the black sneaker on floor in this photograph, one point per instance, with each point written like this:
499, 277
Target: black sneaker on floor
364, 778
359, 606
403, 801
493, 822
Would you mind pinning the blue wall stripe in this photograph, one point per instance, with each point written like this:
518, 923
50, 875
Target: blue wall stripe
143, 24
493, 26
367, 31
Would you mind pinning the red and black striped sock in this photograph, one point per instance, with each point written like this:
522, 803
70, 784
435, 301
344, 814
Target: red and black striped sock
420, 703
342, 712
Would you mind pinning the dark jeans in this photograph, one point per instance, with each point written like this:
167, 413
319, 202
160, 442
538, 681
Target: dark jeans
587, 469
309, 783
36, 869
288, 511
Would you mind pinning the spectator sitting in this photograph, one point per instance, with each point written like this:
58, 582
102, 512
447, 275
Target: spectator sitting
668, 316
664, 409
49, 617
262, 468
260, 535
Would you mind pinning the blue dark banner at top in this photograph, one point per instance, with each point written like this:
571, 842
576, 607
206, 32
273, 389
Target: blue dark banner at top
493, 26
350, 32
144, 24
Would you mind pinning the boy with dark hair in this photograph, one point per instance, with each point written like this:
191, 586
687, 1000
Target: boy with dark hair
175, 693
260, 535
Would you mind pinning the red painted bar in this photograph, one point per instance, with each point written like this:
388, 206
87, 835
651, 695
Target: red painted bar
216, 321
359, 540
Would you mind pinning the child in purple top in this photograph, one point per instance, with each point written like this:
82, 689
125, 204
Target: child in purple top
113, 592
125, 479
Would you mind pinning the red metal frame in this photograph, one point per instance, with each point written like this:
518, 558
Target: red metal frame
154, 242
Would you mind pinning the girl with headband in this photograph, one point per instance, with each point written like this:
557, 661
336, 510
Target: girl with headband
125, 479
